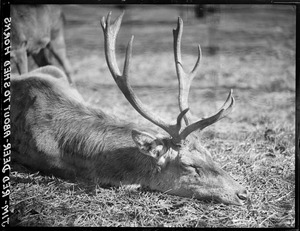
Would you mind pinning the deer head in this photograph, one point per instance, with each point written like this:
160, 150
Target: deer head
183, 166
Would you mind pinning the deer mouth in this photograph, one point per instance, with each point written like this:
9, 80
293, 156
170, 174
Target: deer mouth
234, 201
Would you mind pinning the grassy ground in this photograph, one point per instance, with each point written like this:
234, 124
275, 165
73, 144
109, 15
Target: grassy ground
249, 49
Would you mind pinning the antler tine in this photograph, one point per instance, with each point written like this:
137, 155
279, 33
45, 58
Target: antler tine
110, 34
184, 78
201, 124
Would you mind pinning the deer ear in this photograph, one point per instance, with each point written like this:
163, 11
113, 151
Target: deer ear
148, 144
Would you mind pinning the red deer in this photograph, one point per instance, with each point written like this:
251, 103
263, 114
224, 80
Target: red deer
37, 30
55, 132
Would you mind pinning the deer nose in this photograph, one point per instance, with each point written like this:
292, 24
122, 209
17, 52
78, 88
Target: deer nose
242, 195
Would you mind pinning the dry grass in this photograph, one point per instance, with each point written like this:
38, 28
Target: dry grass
255, 144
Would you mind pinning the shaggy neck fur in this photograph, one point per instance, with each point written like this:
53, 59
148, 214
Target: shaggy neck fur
100, 147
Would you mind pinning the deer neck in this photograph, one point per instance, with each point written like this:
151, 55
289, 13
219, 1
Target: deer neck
105, 143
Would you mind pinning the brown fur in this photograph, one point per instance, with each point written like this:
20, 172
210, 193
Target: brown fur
54, 131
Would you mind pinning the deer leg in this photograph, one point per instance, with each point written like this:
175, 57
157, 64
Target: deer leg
20, 58
42, 58
57, 47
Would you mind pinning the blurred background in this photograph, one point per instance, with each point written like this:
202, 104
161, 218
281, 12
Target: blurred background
249, 48
235, 39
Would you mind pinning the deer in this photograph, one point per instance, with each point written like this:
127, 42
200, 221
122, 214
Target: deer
55, 132
38, 31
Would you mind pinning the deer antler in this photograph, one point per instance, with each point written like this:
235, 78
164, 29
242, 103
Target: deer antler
185, 80
110, 34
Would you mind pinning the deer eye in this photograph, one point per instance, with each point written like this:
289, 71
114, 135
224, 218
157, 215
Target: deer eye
198, 171
190, 167
178, 146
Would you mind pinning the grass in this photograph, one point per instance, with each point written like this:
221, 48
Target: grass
255, 144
